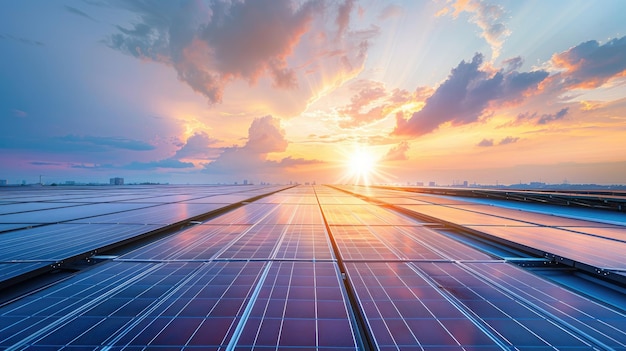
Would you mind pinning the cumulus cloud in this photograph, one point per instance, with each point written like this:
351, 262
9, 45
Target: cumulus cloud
212, 44
265, 136
542, 119
466, 94
508, 140
490, 142
372, 102
488, 17
485, 143
198, 146
398, 152
590, 65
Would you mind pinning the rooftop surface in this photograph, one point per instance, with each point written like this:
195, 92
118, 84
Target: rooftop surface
302, 268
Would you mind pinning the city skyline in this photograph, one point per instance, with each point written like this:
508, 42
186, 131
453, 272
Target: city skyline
328, 91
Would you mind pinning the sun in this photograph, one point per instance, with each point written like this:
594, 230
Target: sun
361, 165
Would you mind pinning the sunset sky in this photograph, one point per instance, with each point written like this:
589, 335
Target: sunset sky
276, 91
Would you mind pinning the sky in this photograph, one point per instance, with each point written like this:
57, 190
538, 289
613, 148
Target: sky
278, 91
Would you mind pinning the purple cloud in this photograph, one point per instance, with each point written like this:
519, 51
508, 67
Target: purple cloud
485, 143
198, 146
590, 65
264, 136
465, 96
508, 140
212, 44
541, 119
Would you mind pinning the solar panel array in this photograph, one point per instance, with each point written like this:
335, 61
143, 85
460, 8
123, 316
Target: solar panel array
308, 268
594, 244
42, 227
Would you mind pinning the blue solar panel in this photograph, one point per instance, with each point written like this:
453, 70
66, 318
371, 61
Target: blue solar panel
265, 276
9, 270
59, 241
248, 304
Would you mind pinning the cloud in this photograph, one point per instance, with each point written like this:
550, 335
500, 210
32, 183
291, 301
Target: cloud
485, 143
590, 65
390, 11
372, 102
466, 94
541, 119
290, 162
343, 16
490, 142
508, 140
94, 142
488, 17
198, 146
152, 165
398, 152
74, 144
212, 44
265, 136
19, 113
22, 40
78, 12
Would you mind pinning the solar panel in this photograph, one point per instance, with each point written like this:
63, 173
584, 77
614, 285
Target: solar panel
266, 276
59, 241
9, 270
591, 250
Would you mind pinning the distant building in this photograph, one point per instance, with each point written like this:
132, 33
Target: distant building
116, 181
245, 182
3, 182
432, 184
465, 183
419, 183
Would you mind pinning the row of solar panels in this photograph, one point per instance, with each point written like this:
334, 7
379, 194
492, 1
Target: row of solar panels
42, 228
294, 273
596, 246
